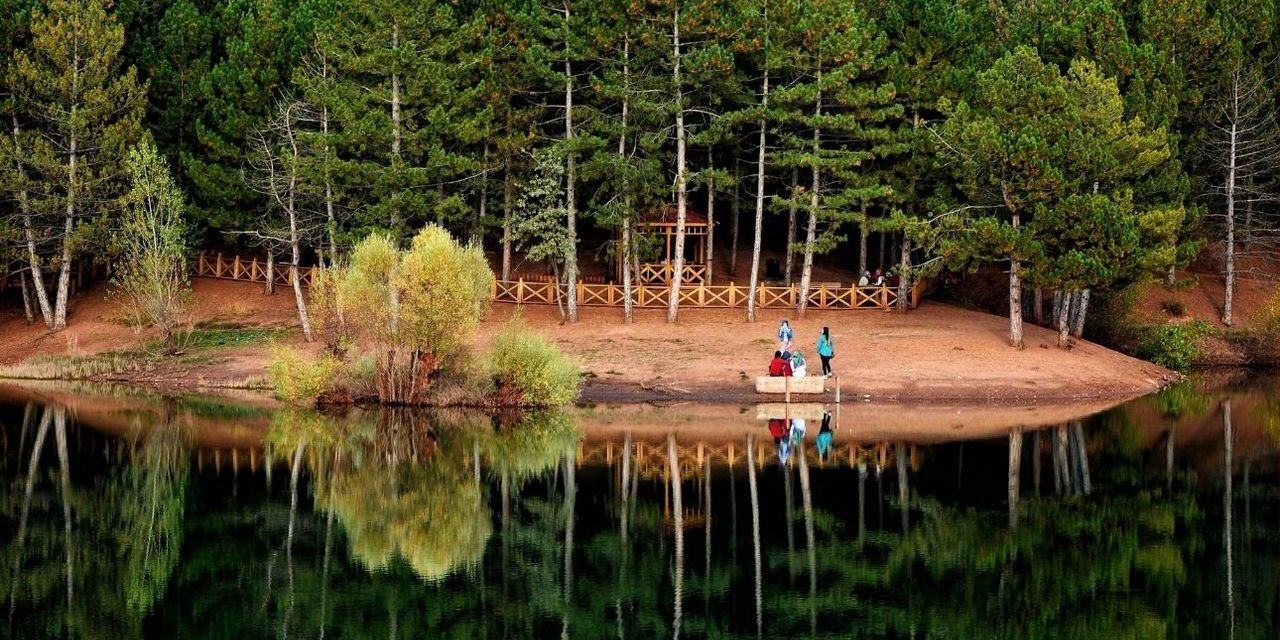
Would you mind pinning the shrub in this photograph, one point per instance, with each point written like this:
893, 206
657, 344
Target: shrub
1172, 345
298, 378
522, 360
413, 306
151, 276
1266, 322
1175, 308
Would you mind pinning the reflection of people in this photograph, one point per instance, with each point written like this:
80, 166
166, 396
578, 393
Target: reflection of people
799, 367
785, 336
777, 428
826, 438
784, 451
779, 366
826, 350
797, 429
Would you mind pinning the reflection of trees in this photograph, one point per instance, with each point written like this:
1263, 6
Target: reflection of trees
92, 554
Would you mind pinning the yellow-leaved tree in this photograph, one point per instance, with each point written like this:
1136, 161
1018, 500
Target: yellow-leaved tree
412, 306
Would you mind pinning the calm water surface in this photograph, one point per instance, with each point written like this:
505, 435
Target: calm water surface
135, 517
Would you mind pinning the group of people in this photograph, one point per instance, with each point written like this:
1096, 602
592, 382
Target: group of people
787, 433
788, 361
877, 279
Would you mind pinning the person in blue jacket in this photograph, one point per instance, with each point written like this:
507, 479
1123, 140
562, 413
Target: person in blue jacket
826, 350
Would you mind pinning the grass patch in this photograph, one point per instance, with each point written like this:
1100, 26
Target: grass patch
212, 336
51, 367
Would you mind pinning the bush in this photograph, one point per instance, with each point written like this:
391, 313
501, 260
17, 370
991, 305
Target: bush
1175, 308
1172, 345
298, 378
523, 361
1266, 322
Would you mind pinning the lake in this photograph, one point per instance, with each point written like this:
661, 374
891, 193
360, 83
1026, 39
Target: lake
124, 514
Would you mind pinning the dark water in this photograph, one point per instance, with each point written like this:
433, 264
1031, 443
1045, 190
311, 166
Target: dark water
191, 518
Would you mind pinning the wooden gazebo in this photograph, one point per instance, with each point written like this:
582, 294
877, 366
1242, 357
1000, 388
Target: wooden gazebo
662, 222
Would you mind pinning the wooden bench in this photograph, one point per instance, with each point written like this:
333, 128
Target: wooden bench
788, 385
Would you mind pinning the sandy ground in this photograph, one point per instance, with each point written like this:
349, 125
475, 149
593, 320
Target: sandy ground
933, 354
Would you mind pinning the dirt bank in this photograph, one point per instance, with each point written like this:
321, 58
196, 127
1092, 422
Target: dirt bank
934, 354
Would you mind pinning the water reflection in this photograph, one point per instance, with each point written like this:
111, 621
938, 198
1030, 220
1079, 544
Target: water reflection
1157, 519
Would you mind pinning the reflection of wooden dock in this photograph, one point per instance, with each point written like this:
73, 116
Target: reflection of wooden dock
802, 410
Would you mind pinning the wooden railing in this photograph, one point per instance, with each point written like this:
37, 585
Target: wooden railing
730, 296
657, 272
541, 290
253, 270
652, 459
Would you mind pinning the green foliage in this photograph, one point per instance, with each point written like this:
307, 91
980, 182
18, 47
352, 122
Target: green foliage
531, 447
1172, 345
298, 378
524, 361
414, 307
1266, 322
152, 272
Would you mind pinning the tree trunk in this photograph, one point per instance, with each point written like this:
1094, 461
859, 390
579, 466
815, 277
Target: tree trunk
1064, 313
271, 272
862, 241
1038, 305
811, 230
711, 222
628, 303
24, 208
734, 207
1015, 295
571, 257
682, 196
1082, 311
395, 115
755, 249
880, 255
1229, 290
295, 238
64, 271
328, 186
27, 311
477, 225
506, 222
806, 500
789, 262
904, 278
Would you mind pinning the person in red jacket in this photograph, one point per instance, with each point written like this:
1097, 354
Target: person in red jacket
779, 366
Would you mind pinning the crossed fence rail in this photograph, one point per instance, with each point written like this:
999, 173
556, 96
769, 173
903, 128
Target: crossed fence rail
823, 295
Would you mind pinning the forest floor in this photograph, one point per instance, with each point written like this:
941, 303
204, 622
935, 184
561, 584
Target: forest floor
936, 353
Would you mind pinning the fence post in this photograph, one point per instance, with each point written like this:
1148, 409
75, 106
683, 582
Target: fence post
520, 291
218, 271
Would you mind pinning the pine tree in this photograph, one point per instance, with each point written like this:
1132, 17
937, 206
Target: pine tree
85, 112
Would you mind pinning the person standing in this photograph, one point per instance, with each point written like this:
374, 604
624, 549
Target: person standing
785, 336
826, 350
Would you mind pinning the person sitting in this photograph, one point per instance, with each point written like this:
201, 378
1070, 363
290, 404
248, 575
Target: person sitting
865, 279
894, 281
798, 365
878, 280
779, 366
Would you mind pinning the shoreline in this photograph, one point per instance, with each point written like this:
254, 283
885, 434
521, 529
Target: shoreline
934, 354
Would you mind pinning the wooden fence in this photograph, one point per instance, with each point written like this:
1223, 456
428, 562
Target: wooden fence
253, 270
730, 296
538, 290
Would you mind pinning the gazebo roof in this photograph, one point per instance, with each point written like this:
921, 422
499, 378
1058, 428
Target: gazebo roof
664, 216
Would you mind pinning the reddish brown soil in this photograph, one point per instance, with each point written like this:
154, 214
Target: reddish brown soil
934, 354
